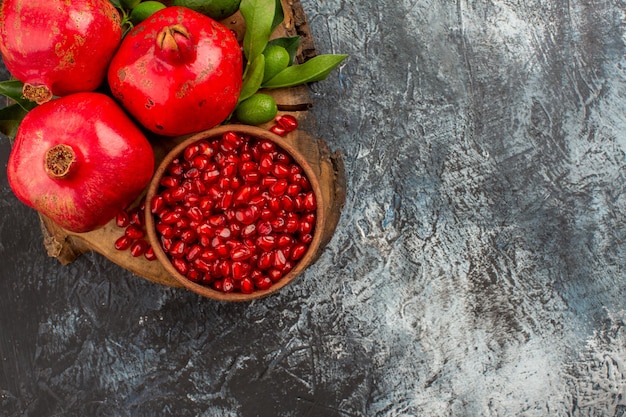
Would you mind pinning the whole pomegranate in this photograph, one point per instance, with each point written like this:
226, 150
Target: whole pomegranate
79, 160
178, 72
58, 47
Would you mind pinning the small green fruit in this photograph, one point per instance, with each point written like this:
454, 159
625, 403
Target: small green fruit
256, 110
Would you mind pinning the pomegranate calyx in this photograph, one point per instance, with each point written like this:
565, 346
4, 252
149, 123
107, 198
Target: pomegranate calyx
59, 161
173, 42
38, 93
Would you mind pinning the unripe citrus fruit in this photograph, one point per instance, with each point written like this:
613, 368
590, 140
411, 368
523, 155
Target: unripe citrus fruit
276, 59
144, 10
258, 109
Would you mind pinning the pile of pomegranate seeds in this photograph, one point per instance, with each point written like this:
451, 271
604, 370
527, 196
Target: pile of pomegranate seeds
134, 237
235, 213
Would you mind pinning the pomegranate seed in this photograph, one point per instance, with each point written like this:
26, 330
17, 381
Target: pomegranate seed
169, 182
289, 265
278, 130
194, 253
266, 163
122, 219
217, 220
306, 238
178, 249
201, 162
305, 184
248, 231
157, 204
208, 255
227, 285
194, 213
248, 167
268, 181
176, 169
191, 151
274, 204
235, 230
287, 203
223, 233
251, 177
266, 243
298, 251
285, 240
240, 270
166, 243
149, 254
170, 217
202, 265
310, 202
188, 236
210, 176
165, 230
305, 228
193, 275
267, 145
278, 224
138, 248
280, 171
222, 250
181, 265
123, 243
233, 138
279, 259
204, 148
293, 190
240, 252
134, 232
287, 122
266, 260
217, 285
247, 286
242, 196
263, 283
264, 228
137, 218
275, 274
226, 200
279, 187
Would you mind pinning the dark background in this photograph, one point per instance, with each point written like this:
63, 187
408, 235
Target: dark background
478, 267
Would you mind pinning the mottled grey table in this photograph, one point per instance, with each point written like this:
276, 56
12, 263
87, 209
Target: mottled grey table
478, 268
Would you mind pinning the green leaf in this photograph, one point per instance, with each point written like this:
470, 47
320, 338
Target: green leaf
10, 119
253, 79
13, 90
259, 17
291, 44
315, 69
116, 3
279, 15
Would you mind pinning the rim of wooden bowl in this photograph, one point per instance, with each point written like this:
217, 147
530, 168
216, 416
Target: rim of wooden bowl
258, 133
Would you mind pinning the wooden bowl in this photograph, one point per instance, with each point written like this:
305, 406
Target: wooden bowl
320, 228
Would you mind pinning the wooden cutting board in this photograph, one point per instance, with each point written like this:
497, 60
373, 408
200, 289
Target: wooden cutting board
66, 246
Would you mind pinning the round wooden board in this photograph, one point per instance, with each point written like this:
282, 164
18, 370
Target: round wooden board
66, 246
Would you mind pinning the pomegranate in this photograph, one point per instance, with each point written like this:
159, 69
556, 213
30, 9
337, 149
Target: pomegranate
58, 47
79, 160
177, 72
235, 213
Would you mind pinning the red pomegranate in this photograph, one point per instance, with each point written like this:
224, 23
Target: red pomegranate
79, 160
177, 72
58, 47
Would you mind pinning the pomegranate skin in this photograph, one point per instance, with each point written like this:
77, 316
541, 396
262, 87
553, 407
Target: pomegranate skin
177, 72
58, 47
82, 171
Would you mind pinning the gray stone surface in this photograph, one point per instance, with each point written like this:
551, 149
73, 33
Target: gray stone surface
478, 268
